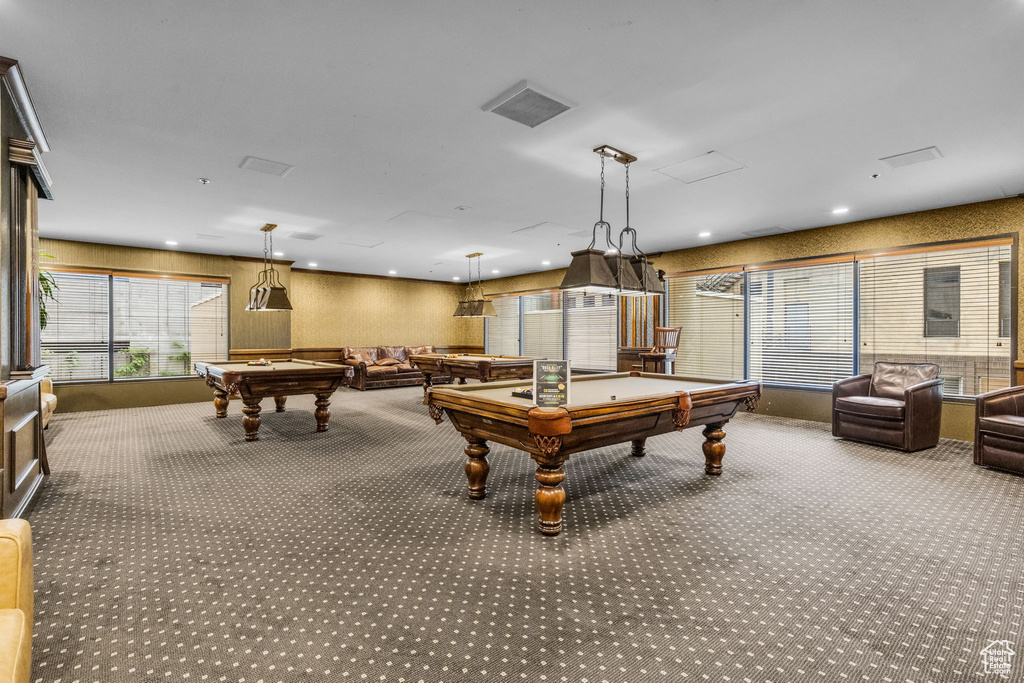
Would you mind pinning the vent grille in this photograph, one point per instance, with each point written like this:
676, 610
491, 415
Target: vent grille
524, 104
307, 236
266, 166
202, 236
918, 156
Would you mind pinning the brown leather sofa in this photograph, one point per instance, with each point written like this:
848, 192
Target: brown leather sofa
16, 601
899, 405
387, 366
999, 430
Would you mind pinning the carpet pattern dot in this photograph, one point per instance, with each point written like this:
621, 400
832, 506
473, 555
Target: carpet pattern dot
168, 548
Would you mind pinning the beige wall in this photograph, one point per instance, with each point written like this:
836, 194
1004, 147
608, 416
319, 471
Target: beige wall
348, 310
249, 330
328, 310
983, 219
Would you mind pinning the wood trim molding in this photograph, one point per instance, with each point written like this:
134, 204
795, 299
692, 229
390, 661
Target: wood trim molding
24, 153
11, 74
259, 259
317, 271
139, 273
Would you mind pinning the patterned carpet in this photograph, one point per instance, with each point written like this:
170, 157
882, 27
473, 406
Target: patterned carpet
169, 549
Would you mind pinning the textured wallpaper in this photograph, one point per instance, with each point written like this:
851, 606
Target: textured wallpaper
968, 221
343, 310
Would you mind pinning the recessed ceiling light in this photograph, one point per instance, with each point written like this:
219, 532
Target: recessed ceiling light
839, 210
392, 272
171, 243
456, 277
495, 272
312, 265
545, 263
704, 234
278, 253
204, 181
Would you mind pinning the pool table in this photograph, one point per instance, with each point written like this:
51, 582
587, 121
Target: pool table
604, 410
473, 366
280, 379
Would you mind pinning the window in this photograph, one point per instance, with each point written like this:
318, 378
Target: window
586, 327
801, 325
591, 330
947, 307
160, 325
1004, 298
708, 309
942, 301
542, 325
502, 331
74, 341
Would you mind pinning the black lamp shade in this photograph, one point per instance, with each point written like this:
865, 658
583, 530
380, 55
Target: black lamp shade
268, 299
589, 271
647, 276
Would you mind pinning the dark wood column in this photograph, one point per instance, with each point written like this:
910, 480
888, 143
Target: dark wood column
23, 179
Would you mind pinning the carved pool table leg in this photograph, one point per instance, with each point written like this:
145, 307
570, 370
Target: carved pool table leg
638, 448
279, 403
550, 497
251, 419
427, 383
714, 449
220, 402
477, 467
323, 411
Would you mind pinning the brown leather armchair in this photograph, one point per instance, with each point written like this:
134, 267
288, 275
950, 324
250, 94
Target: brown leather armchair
898, 405
999, 430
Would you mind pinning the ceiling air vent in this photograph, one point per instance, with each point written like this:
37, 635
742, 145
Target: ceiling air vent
203, 236
308, 236
916, 157
524, 104
266, 166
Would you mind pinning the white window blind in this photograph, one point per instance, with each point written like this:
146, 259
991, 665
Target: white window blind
502, 331
162, 325
542, 325
709, 311
944, 307
74, 341
591, 330
801, 324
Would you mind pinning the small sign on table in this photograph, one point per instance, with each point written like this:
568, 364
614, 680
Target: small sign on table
551, 383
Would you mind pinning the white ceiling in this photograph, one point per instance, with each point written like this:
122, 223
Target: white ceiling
378, 107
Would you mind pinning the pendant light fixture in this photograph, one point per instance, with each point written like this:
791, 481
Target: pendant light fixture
637, 275
593, 271
477, 307
268, 294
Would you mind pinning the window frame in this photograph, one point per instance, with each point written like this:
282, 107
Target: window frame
1007, 239
110, 342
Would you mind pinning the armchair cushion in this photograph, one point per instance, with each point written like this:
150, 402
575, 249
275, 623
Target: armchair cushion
397, 353
872, 406
1008, 425
16, 600
890, 380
